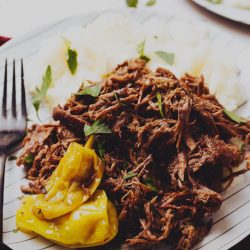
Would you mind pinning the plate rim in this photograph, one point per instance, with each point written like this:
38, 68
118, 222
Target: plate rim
223, 11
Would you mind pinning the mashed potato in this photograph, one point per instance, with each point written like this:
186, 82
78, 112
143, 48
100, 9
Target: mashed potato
113, 38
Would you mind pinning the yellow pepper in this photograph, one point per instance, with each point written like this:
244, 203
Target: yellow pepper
91, 224
75, 179
72, 212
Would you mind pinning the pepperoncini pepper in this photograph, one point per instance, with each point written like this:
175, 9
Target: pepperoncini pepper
75, 179
91, 224
72, 212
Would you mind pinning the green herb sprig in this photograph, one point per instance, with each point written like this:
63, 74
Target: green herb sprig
167, 57
132, 3
100, 149
129, 175
97, 127
12, 158
41, 92
234, 117
140, 50
151, 2
119, 101
150, 183
29, 158
159, 103
93, 90
71, 57
215, 1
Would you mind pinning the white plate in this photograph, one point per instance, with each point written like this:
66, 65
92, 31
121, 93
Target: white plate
230, 12
231, 222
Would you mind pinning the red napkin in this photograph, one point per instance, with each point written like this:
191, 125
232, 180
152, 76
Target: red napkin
3, 40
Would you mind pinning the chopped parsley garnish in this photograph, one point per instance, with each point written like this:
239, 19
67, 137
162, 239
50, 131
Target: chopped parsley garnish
29, 158
118, 99
132, 3
242, 147
151, 2
150, 183
12, 158
97, 127
234, 117
71, 57
100, 149
215, 1
129, 175
140, 50
93, 90
41, 92
29, 120
20, 197
159, 103
15, 230
106, 75
167, 57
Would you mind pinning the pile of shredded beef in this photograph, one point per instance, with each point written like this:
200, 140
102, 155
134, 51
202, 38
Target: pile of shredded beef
166, 161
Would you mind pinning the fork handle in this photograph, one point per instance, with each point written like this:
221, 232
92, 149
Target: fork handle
2, 172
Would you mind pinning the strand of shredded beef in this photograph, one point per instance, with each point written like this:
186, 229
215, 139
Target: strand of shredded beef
177, 153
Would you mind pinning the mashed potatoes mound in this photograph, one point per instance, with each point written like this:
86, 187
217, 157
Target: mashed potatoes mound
113, 38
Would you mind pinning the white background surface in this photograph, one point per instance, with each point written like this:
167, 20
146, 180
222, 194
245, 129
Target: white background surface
18, 17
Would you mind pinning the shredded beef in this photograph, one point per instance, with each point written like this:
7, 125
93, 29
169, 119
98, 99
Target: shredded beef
44, 145
165, 159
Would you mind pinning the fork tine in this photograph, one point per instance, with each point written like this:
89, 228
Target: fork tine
23, 101
4, 110
14, 90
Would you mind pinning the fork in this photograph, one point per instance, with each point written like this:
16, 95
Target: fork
12, 129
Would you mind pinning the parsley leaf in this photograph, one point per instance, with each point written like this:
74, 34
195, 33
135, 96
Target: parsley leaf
167, 57
72, 61
29, 158
71, 57
40, 94
132, 3
242, 147
159, 103
215, 1
140, 51
100, 149
151, 2
150, 183
97, 127
20, 197
29, 120
234, 117
15, 230
129, 175
93, 90
12, 158
118, 99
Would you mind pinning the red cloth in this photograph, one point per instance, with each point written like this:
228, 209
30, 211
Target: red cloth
3, 40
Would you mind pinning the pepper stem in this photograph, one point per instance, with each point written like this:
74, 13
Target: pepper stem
90, 142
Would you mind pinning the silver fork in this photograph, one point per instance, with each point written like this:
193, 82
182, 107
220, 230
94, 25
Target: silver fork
12, 129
